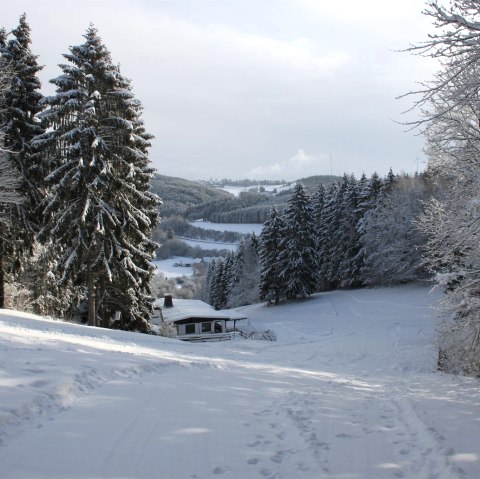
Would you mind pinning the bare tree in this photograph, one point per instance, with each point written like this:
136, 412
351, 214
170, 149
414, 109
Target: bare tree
450, 107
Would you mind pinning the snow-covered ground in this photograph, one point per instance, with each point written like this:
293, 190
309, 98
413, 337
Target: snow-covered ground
209, 245
236, 190
244, 228
169, 270
348, 390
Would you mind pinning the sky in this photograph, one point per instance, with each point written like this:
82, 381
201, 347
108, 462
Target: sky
261, 89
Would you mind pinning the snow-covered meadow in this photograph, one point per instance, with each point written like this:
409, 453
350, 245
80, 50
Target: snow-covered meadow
348, 390
244, 228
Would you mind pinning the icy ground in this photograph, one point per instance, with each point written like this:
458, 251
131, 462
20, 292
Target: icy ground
347, 391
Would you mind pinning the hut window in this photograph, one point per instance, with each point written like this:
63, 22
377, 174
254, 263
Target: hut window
218, 327
206, 327
190, 329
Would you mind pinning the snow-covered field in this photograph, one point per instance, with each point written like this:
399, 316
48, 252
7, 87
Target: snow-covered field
244, 228
236, 190
210, 245
348, 390
167, 268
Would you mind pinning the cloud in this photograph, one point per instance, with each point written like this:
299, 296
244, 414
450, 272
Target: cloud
301, 164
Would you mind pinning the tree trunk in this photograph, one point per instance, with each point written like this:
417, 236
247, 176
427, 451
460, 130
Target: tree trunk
92, 313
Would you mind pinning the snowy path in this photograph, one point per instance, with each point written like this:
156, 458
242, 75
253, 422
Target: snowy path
349, 394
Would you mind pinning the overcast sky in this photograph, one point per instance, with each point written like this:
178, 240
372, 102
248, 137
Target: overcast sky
254, 88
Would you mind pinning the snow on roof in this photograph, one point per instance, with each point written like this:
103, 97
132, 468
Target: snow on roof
190, 308
233, 314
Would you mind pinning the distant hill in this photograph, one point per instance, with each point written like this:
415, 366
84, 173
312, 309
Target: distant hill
194, 200
178, 194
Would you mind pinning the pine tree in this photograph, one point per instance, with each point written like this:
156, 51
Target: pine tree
245, 287
348, 238
271, 285
325, 234
100, 208
297, 258
393, 244
20, 102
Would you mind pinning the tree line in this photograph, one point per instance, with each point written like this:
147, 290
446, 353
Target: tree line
76, 237
351, 233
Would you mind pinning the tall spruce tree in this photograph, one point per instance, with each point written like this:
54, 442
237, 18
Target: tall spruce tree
100, 209
298, 258
271, 285
245, 287
20, 103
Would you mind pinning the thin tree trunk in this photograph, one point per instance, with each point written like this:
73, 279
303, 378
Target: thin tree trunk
92, 320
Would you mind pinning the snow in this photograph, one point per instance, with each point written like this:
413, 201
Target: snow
244, 228
167, 268
236, 190
348, 390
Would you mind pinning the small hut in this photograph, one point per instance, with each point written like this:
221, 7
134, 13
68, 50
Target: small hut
195, 320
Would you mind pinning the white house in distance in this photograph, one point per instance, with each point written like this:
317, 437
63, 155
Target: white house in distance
195, 320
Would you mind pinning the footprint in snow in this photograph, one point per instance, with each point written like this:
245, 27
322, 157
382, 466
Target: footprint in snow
219, 470
252, 460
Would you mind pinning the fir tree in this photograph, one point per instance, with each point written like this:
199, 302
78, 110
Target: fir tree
20, 102
271, 285
348, 238
245, 288
297, 258
326, 242
100, 208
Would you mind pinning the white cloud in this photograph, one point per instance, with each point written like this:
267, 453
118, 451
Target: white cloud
301, 164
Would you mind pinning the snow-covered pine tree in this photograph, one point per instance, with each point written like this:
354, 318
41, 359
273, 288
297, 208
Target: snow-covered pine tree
137, 207
245, 288
9, 184
20, 102
298, 265
348, 238
325, 234
229, 273
219, 286
99, 209
392, 243
209, 283
271, 285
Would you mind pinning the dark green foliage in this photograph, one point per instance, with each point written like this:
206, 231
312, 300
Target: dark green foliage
20, 101
100, 209
271, 284
297, 259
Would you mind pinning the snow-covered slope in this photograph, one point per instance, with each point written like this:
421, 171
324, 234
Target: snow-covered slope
348, 390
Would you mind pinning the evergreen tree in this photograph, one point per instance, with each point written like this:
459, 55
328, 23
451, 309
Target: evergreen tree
219, 285
20, 102
393, 245
297, 258
348, 238
209, 282
271, 285
245, 289
325, 234
100, 209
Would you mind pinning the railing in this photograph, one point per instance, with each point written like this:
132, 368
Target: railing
207, 337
